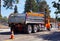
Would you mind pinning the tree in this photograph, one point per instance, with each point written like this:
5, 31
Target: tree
0, 16
56, 12
56, 5
15, 9
5, 19
34, 6
31, 5
58, 19
42, 6
9, 3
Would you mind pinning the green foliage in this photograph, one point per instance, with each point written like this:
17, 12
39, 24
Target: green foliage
17, 1
42, 6
9, 3
27, 6
15, 9
59, 11
56, 12
59, 0
5, 18
56, 5
58, 19
34, 6
31, 5
0, 16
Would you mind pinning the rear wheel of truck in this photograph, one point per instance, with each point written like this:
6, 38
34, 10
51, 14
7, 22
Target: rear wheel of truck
34, 29
29, 29
38, 28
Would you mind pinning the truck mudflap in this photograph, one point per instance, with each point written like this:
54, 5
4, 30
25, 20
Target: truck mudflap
19, 27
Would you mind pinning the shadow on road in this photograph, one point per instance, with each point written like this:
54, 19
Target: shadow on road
8, 33
55, 36
5, 33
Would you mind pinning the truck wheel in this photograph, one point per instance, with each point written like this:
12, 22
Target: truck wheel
34, 29
29, 29
38, 28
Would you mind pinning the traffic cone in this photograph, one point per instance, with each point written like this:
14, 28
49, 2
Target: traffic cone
12, 35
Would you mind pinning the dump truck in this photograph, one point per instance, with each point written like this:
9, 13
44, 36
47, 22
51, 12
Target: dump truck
27, 22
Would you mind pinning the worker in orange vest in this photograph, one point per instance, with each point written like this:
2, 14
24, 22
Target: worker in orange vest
48, 26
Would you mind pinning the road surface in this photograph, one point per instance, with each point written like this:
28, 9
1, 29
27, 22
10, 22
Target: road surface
53, 35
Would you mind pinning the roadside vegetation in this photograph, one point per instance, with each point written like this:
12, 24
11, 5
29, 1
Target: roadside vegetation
3, 20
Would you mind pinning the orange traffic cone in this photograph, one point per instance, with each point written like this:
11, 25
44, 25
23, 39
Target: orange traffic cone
12, 35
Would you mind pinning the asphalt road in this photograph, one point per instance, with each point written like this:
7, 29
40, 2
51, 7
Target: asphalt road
53, 35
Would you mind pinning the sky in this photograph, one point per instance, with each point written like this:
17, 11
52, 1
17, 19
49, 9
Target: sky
21, 5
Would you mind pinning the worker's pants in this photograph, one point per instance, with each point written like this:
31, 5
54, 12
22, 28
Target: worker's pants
48, 29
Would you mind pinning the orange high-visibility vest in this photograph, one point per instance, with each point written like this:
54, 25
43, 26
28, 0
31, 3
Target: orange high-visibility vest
48, 25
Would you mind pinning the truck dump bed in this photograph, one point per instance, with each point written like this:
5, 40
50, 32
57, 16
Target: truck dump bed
16, 18
35, 18
26, 18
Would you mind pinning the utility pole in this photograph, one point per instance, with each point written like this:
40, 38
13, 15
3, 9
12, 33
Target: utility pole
45, 15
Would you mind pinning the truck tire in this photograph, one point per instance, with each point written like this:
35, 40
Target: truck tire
38, 28
34, 29
29, 29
